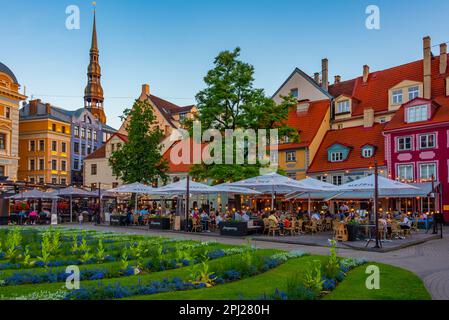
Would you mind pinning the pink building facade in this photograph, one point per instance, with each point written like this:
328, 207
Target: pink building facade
417, 150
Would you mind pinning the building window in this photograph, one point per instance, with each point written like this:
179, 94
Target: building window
405, 172
294, 92
114, 185
41, 145
2, 171
322, 178
427, 141
95, 135
32, 165
41, 164
76, 131
290, 156
76, 147
63, 165
76, 164
413, 92
119, 146
2, 141
337, 180
32, 180
83, 133
54, 180
54, 146
397, 96
8, 112
343, 107
83, 149
32, 145
112, 147
63, 147
404, 143
63, 129
89, 134
93, 169
367, 152
89, 150
416, 114
53, 127
383, 120
63, 181
41, 180
54, 165
427, 171
336, 156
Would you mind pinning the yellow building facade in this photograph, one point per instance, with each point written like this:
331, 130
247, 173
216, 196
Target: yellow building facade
9, 123
44, 144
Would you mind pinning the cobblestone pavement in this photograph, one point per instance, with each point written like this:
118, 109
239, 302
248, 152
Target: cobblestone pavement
429, 260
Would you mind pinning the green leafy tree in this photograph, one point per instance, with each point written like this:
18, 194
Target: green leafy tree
230, 101
140, 158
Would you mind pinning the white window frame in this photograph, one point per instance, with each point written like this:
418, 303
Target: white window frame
417, 113
63, 167
367, 152
337, 156
343, 106
427, 140
408, 167
428, 176
34, 164
413, 92
397, 96
335, 180
398, 144
289, 157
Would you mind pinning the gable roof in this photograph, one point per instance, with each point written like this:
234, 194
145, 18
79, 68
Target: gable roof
440, 115
306, 77
307, 123
356, 138
182, 167
374, 93
168, 109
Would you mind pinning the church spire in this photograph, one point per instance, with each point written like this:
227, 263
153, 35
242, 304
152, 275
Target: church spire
93, 94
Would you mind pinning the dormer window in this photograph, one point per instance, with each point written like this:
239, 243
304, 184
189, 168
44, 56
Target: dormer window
417, 113
413, 92
336, 156
367, 152
397, 96
343, 106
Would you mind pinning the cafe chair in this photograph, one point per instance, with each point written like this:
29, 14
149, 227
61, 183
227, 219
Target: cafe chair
196, 226
313, 227
273, 228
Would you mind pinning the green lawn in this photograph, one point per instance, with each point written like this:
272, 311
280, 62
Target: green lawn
395, 284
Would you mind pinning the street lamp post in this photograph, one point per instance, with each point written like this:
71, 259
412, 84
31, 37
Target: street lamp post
376, 202
187, 204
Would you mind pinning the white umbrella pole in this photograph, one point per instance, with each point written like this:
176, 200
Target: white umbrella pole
135, 205
71, 210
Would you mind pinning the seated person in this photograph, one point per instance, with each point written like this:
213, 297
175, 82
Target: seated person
316, 216
237, 217
405, 223
273, 217
245, 216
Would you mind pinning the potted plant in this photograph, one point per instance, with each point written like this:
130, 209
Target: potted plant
352, 227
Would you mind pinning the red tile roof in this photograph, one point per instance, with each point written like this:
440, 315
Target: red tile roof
440, 115
182, 167
307, 123
374, 93
355, 138
168, 109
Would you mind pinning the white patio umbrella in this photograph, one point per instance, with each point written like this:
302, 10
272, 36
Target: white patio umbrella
226, 188
368, 184
312, 183
72, 192
180, 187
273, 183
33, 194
136, 188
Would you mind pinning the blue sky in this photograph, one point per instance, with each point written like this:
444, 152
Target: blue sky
171, 44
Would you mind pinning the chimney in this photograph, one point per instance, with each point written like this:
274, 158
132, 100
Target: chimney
337, 79
316, 77
325, 74
33, 106
427, 67
365, 73
368, 118
443, 58
48, 108
145, 91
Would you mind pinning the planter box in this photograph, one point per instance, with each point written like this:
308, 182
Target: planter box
117, 220
236, 229
159, 223
352, 231
4, 221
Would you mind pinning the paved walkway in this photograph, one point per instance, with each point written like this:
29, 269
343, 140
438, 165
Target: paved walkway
429, 260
